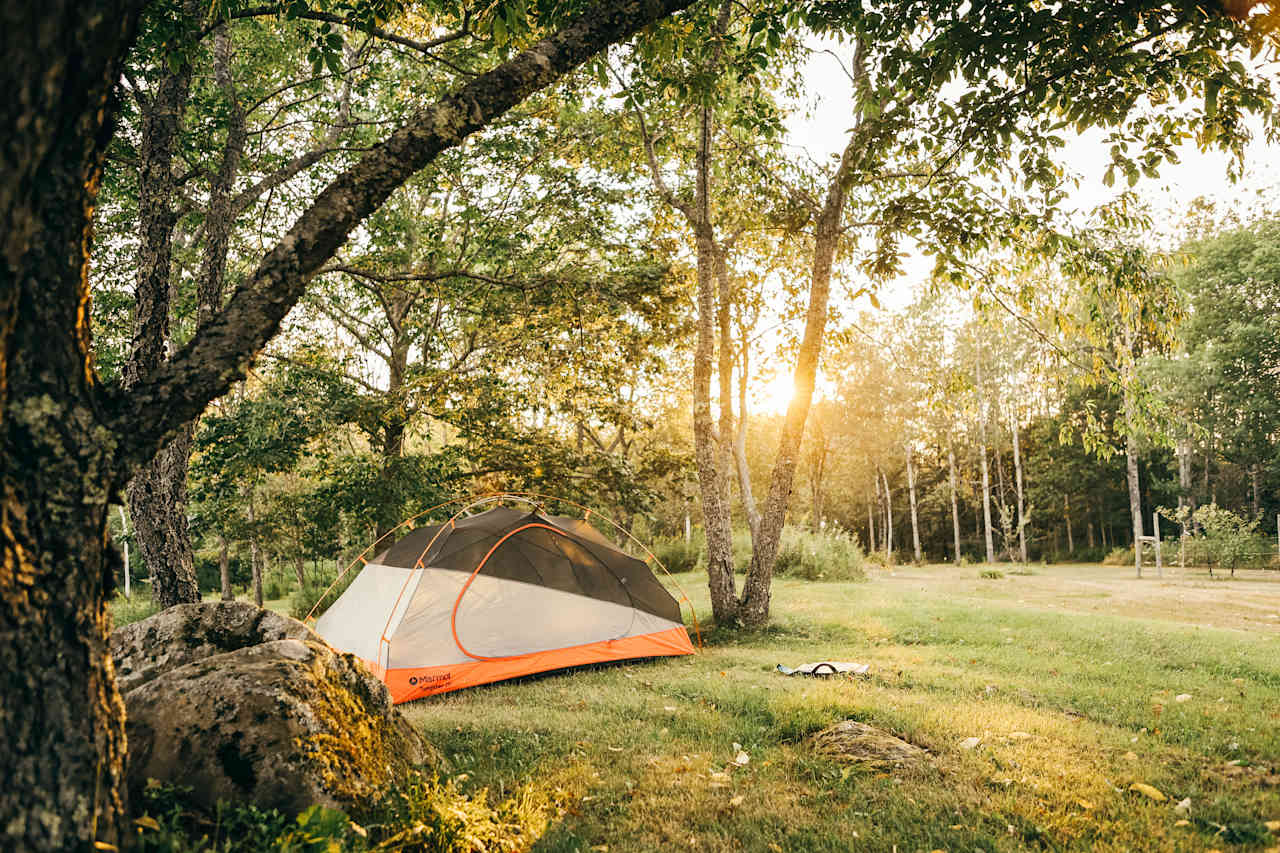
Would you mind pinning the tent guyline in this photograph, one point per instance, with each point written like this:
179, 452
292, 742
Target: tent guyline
498, 594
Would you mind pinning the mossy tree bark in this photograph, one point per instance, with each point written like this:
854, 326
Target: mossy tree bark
69, 445
62, 755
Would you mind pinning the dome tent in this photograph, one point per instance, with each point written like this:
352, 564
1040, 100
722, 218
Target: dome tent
497, 595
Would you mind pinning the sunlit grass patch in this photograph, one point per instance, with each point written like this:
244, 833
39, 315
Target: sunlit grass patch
1069, 710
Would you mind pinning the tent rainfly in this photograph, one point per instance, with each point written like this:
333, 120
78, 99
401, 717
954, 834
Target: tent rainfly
497, 595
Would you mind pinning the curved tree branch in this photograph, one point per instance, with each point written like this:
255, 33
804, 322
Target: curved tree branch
163, 401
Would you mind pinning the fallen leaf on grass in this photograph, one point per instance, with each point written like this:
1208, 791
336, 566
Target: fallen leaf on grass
1085, 804
970, 742
1183, 822
1146, 790
1019, 735
1183, 805
1131, 756
736, 801
1272, 825
1182, 697
741, 759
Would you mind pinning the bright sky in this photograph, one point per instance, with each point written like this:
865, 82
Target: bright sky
823, 133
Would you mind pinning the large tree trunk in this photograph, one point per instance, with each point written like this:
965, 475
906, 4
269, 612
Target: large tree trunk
986, 473
1017, 473
158, 503
1257, 501
955, 503
62, 754
915, 521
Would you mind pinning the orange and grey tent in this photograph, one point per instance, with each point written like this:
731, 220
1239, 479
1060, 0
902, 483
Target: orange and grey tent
497, 595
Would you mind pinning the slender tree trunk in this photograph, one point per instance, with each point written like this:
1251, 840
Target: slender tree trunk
724, 377
1066, 513
986, 474
871, 517
1131, 450
955, 503
1135, 499
157, 494
915, 521
740, 443
299, 568
715, 506
1089, 533
255, 554
224, 570
1257, 502
1017, 468
1186, 496
888, 519
756, 590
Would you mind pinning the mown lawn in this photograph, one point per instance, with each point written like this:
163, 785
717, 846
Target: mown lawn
1074, 697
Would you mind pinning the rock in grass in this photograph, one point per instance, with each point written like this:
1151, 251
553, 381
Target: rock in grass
283, 724
191, 632
853, 741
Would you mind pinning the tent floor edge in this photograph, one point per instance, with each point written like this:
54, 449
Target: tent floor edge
410, 683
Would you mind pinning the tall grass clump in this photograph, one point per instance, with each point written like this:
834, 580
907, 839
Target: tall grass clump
678, 555
310, 593
135, 609
832, 555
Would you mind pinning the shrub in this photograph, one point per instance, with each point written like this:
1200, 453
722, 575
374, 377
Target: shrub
420, 814
832, 555
302, 600
1119, 557
679, 556
991, 574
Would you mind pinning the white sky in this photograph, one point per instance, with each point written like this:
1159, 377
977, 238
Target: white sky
823, 132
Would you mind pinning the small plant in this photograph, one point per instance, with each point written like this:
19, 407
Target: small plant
678, 555
135, 609
991, 574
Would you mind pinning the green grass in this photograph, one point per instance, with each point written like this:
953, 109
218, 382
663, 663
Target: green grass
641, 756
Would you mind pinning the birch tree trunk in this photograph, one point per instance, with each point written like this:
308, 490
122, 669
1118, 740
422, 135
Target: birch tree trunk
955, 503
888, 519
1066, 513
740, 442
911, 489
1017, 468
1131, 448
871, 517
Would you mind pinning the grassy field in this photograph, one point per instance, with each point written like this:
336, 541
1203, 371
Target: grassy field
1079, 681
